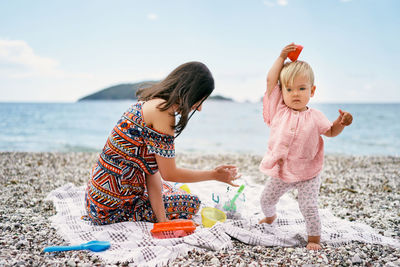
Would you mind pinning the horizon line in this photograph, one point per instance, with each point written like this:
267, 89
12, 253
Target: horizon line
233, 100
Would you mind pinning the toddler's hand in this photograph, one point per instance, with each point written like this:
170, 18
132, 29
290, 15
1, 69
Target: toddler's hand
345, 118
287, 49
227, 174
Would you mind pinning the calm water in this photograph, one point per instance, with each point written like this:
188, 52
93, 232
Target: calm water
221, 127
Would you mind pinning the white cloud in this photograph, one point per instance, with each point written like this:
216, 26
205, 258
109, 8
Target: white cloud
27, 76
19, 57
276, 2
18, 60
282, 2
345, 0
152, 16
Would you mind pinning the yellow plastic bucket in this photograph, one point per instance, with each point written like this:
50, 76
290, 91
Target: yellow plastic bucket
209, 216
185, 188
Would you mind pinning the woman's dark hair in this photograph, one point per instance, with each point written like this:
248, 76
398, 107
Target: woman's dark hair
185, 86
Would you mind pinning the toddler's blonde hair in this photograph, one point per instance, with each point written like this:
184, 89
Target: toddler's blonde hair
293, 69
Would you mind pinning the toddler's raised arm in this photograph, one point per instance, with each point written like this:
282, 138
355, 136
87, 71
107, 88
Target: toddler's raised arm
273, 74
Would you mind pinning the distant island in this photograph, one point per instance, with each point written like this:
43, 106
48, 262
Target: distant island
128, 91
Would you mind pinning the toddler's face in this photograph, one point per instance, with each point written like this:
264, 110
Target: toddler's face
298, 94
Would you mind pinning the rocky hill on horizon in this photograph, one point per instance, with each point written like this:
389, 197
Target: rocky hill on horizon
128, 91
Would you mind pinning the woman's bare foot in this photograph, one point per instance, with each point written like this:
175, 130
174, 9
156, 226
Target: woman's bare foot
313, 246
268, 220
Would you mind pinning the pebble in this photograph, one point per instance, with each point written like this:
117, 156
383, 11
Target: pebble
215, 261
71, 263
324, 258
356, 259
25, 228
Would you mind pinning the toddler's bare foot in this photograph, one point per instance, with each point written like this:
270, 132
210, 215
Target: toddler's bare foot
313, 246
268, 220
314, 242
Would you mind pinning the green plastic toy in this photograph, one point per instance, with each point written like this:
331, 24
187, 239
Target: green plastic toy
230, 205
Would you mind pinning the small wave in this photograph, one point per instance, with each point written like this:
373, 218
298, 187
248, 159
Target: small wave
77, 148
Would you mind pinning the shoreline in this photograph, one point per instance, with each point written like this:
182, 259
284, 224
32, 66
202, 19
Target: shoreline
196, 153
356, 188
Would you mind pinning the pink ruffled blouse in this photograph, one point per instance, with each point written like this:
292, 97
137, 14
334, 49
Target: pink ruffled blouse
295, 146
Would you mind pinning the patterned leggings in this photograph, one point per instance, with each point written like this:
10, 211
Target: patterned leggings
178, 205
307, 199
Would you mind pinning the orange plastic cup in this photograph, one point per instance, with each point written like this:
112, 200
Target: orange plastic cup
293, 56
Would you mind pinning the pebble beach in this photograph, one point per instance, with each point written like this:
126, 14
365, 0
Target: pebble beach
365, 189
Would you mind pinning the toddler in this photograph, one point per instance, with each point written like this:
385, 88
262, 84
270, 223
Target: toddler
295, 154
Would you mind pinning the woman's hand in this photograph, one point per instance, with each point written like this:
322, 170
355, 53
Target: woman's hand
287, 49
226, 174
345, 118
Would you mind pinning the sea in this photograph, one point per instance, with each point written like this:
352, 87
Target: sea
221, 127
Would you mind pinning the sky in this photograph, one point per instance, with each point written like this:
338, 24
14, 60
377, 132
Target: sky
60, 51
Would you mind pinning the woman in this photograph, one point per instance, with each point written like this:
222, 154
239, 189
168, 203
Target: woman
126, 182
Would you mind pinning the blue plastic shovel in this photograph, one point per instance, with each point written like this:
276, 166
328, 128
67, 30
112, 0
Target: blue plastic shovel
95, 246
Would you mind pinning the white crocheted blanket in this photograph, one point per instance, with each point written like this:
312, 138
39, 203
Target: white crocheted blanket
132, 241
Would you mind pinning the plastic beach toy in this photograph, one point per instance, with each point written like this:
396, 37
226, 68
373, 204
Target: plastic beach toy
95, 246
173, 229
185, 188
295, 54
210, 216
230, 205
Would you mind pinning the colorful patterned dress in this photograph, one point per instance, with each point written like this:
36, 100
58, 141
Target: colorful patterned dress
116, 191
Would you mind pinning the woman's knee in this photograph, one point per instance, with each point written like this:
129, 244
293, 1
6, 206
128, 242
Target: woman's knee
187, 202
